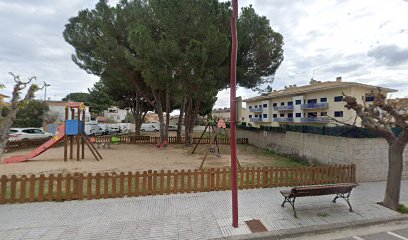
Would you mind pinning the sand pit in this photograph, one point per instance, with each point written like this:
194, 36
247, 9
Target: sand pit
138, 157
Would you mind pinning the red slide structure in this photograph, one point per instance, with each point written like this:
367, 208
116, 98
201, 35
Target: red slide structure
47, 145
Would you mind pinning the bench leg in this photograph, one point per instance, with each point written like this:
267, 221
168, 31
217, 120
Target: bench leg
345, 197
291, 201
285, 201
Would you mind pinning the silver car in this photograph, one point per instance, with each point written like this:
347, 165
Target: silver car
27, 133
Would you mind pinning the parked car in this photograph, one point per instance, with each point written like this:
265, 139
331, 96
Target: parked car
104, 129
114, 129
27, 133
173, 127
146, 127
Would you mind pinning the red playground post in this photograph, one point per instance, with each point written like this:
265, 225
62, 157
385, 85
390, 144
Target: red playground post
233, 114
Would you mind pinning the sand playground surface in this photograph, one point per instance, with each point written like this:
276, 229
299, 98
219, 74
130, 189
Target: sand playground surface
137, 157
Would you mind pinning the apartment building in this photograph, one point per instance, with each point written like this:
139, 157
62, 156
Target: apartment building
315, 104
57, 108
116, 114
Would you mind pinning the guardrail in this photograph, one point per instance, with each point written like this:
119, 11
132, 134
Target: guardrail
314, 105
255, 119
283, 119
314, 120
283, 108
256, 110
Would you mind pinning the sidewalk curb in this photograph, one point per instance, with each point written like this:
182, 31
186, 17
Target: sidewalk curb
320, 229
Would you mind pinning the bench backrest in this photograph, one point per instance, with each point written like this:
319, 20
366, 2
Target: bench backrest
318, 190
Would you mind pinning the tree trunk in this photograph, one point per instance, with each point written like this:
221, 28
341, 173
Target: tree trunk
138, 123
395, 164
166, 133
161, 120
180, 120
5, 128
187, 122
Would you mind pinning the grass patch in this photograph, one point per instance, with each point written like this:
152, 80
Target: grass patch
284, 160
403, 209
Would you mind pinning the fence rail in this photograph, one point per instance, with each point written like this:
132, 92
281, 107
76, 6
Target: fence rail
81, 186
12, 146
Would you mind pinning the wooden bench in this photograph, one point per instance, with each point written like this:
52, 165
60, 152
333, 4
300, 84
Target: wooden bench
342, 190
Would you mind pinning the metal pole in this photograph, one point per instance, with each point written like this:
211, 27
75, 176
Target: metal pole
65, 136
233, 114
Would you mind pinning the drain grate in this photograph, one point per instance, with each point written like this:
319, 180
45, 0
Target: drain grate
256, 226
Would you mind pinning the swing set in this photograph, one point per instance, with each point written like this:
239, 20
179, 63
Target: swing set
214, 148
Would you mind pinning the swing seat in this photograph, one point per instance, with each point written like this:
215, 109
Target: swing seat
212, 150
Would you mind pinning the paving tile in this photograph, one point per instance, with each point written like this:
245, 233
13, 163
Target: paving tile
181, 216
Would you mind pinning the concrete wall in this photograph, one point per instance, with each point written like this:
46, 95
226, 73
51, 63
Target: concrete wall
369, 154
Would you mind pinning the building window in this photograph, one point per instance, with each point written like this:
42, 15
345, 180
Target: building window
290, 103
265, 105
338, 98
256, 116
323, 99
312, 114
298, 102
369, 98
323, 114
256, 106
275, 115
250, 107
274, 104
242, 119
282, 115
265, 116
282, 103
338, 114
290, 115
298, 115
312, 101
250, 116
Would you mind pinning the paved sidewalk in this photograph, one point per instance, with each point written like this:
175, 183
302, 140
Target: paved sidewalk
184, 216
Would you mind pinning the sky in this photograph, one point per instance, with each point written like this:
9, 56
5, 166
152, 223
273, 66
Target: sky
362, 41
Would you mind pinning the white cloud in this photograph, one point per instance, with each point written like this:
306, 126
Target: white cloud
362, 41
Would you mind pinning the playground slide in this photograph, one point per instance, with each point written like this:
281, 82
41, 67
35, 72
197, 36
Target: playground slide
56, 139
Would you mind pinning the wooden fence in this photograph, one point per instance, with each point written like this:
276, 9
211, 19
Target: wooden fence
18, 145
153, 140
112, 185
12, 146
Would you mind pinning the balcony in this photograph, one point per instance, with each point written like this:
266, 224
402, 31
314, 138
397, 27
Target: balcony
283, 120
314, 105
255, 110
283, 108
314, 120
255, 119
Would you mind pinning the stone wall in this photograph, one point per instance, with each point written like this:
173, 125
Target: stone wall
369, 154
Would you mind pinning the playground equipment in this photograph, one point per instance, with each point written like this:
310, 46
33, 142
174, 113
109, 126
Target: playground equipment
213, 147
106, 144
75, 129
71, 129
163, 144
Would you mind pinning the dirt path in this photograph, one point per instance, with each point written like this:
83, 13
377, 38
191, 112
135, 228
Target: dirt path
126, 157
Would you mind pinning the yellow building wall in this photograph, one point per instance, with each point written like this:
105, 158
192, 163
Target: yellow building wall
348, 115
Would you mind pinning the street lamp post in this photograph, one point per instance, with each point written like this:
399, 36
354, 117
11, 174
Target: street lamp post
233, 114
45, 90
